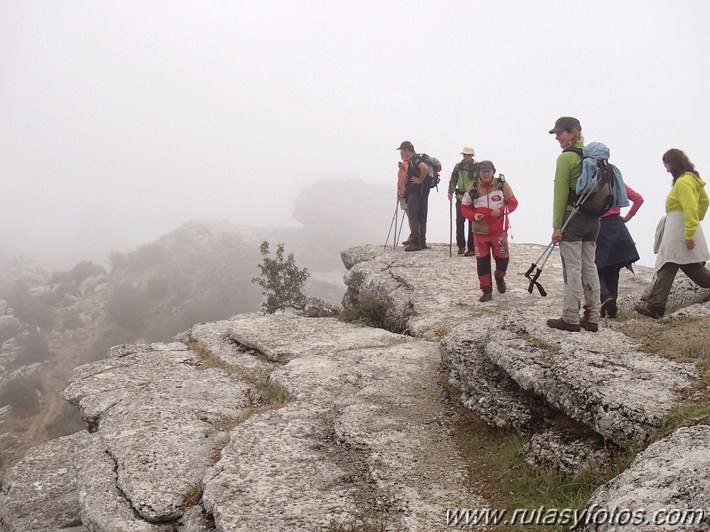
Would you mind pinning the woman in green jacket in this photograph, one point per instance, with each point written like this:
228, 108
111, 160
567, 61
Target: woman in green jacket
680, 243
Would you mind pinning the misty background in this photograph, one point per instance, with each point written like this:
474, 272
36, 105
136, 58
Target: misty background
119, 121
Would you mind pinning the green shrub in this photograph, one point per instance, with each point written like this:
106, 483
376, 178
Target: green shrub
281, 280
377, 311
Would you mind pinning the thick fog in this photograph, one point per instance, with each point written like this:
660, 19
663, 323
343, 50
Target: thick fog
121, 120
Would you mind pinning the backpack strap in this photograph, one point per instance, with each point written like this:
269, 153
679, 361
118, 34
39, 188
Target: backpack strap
572, 196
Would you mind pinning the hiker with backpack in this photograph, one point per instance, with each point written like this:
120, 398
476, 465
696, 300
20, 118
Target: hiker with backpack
487, 203
461, 180
615, 250
680, 242
578, 242
417, 191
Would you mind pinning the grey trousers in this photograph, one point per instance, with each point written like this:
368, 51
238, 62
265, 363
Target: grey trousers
664, 282
581, 281
578, 249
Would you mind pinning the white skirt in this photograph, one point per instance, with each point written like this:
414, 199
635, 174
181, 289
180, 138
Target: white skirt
670, 242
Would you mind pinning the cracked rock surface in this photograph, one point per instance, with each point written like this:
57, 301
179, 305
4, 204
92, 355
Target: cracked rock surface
192, 436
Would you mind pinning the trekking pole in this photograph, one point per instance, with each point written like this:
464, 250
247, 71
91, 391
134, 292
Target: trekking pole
540, 263
396, 205
399, 236
451, 228
396, 219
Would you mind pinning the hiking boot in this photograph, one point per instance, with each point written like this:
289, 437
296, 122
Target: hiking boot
487, 295
470, 253
500, 285
408, 241
647, 311
413, 246
608, 308
563, 325
584, 323
424, 246
462, 251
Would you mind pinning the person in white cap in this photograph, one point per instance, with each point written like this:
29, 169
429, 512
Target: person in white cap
462, 177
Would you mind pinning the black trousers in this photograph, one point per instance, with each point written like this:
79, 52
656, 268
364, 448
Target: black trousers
461, 236
418, 208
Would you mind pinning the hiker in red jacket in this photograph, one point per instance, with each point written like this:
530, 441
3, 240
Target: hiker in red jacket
487, 204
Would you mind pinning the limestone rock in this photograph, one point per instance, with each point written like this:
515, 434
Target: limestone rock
671, 475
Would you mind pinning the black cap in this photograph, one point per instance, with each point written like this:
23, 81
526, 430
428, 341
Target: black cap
406, 145
564, 123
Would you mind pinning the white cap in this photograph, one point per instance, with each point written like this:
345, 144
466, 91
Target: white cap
467, 151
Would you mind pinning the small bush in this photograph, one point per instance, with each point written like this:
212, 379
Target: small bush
282, 281
377, 311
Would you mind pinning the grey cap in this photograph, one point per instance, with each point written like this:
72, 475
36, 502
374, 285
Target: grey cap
486, 165
564, 123
406, 145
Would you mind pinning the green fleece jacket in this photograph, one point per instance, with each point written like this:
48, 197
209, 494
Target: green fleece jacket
462, 177
569, 168
688, 194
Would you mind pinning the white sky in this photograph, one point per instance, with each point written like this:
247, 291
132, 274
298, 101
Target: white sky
121, 120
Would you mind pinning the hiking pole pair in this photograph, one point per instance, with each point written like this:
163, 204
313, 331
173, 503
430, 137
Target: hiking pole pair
394, 217
540, 263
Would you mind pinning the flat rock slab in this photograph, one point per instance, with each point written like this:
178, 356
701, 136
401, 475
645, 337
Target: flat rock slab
363, 443
669, 477
284, 338
600, 379
159, 416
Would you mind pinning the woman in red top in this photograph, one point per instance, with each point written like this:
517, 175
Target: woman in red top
615, 250
487, 204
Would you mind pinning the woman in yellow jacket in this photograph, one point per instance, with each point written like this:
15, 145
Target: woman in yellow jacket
680, 243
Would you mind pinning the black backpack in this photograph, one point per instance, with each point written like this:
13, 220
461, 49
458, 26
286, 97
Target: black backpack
597, 201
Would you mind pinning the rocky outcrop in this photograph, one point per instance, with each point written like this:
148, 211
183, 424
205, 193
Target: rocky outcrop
665, 488
295, 423
185, 431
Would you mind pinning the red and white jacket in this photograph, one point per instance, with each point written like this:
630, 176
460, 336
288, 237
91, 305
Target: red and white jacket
492, 198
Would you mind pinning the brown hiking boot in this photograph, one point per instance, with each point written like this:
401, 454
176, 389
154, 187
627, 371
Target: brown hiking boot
500, 285
470, 253
563, 325
487, 295
648, 311
462, 251
413, 246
